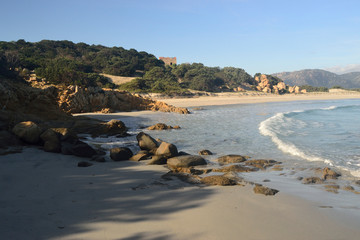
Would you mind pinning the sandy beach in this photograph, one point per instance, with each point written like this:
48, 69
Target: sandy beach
46, 196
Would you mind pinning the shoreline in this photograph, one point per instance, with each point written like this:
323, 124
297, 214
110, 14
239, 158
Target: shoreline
249, 98
129, 200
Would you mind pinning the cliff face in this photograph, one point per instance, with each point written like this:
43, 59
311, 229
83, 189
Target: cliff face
74, 100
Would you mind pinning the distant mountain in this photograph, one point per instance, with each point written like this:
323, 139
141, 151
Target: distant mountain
344, 69
320, 78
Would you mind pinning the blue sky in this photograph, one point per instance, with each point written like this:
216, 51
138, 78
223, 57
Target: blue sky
257, 35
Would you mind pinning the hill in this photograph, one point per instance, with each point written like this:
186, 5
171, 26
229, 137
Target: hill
320, 78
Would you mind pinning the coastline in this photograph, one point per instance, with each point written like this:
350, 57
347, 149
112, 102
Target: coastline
248, 98
54, 199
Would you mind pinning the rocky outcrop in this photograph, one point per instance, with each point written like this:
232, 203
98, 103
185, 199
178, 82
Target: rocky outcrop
77, 100
205, 152
271, 84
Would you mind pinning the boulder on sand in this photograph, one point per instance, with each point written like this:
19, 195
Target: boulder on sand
28, 132
82, 149
167, 149
218, 180
265, 190
120, 154
185, 161
146, 142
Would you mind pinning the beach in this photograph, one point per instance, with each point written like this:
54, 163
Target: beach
46, 196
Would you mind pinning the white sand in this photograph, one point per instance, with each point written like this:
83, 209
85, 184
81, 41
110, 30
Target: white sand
248, 98
46, 196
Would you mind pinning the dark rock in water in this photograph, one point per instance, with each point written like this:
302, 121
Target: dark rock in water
98, 128
146, 142
205, 152
82, 149
312, 180
162, 126
265, 190
167, 149
139, 156
262, 163
157, 160
231, 159
185, 161
66, 148
120, 154
28, 131
218, 180
84, 164
235, 168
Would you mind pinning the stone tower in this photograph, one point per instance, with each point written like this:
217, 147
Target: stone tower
168, 60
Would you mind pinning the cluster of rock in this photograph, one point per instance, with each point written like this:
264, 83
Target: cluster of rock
264, 84
191, 167
327, 176
74, 99
65, 140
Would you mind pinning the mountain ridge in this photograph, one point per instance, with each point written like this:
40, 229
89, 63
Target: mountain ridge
320, 78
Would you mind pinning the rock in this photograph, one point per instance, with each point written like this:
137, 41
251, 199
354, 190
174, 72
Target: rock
328, 173
205, 152
84, 164
312, 180
157, 160
139, 156
66, 148
167, 149
8, 139
160, 126
235, 168
218, 180
261, 163
65, 134
28, 132
52, 146
51, 141
332, 188
120, 154
146, 142
98, 158
185, 161
265, 190
231, 159
82, 149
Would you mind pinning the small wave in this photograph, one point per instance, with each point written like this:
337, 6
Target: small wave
266, 129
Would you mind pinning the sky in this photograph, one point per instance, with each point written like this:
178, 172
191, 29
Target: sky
266, 36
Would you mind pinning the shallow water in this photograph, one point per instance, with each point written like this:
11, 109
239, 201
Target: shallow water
302, 135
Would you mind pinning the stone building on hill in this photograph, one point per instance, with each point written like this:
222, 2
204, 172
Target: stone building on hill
168, 60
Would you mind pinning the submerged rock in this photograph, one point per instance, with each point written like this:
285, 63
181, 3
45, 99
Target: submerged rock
328, 173
235, 168
205, 152
312, 180
162, 126
262, 163
231, 159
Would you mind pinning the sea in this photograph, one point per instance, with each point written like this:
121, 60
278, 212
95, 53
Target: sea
303, 135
